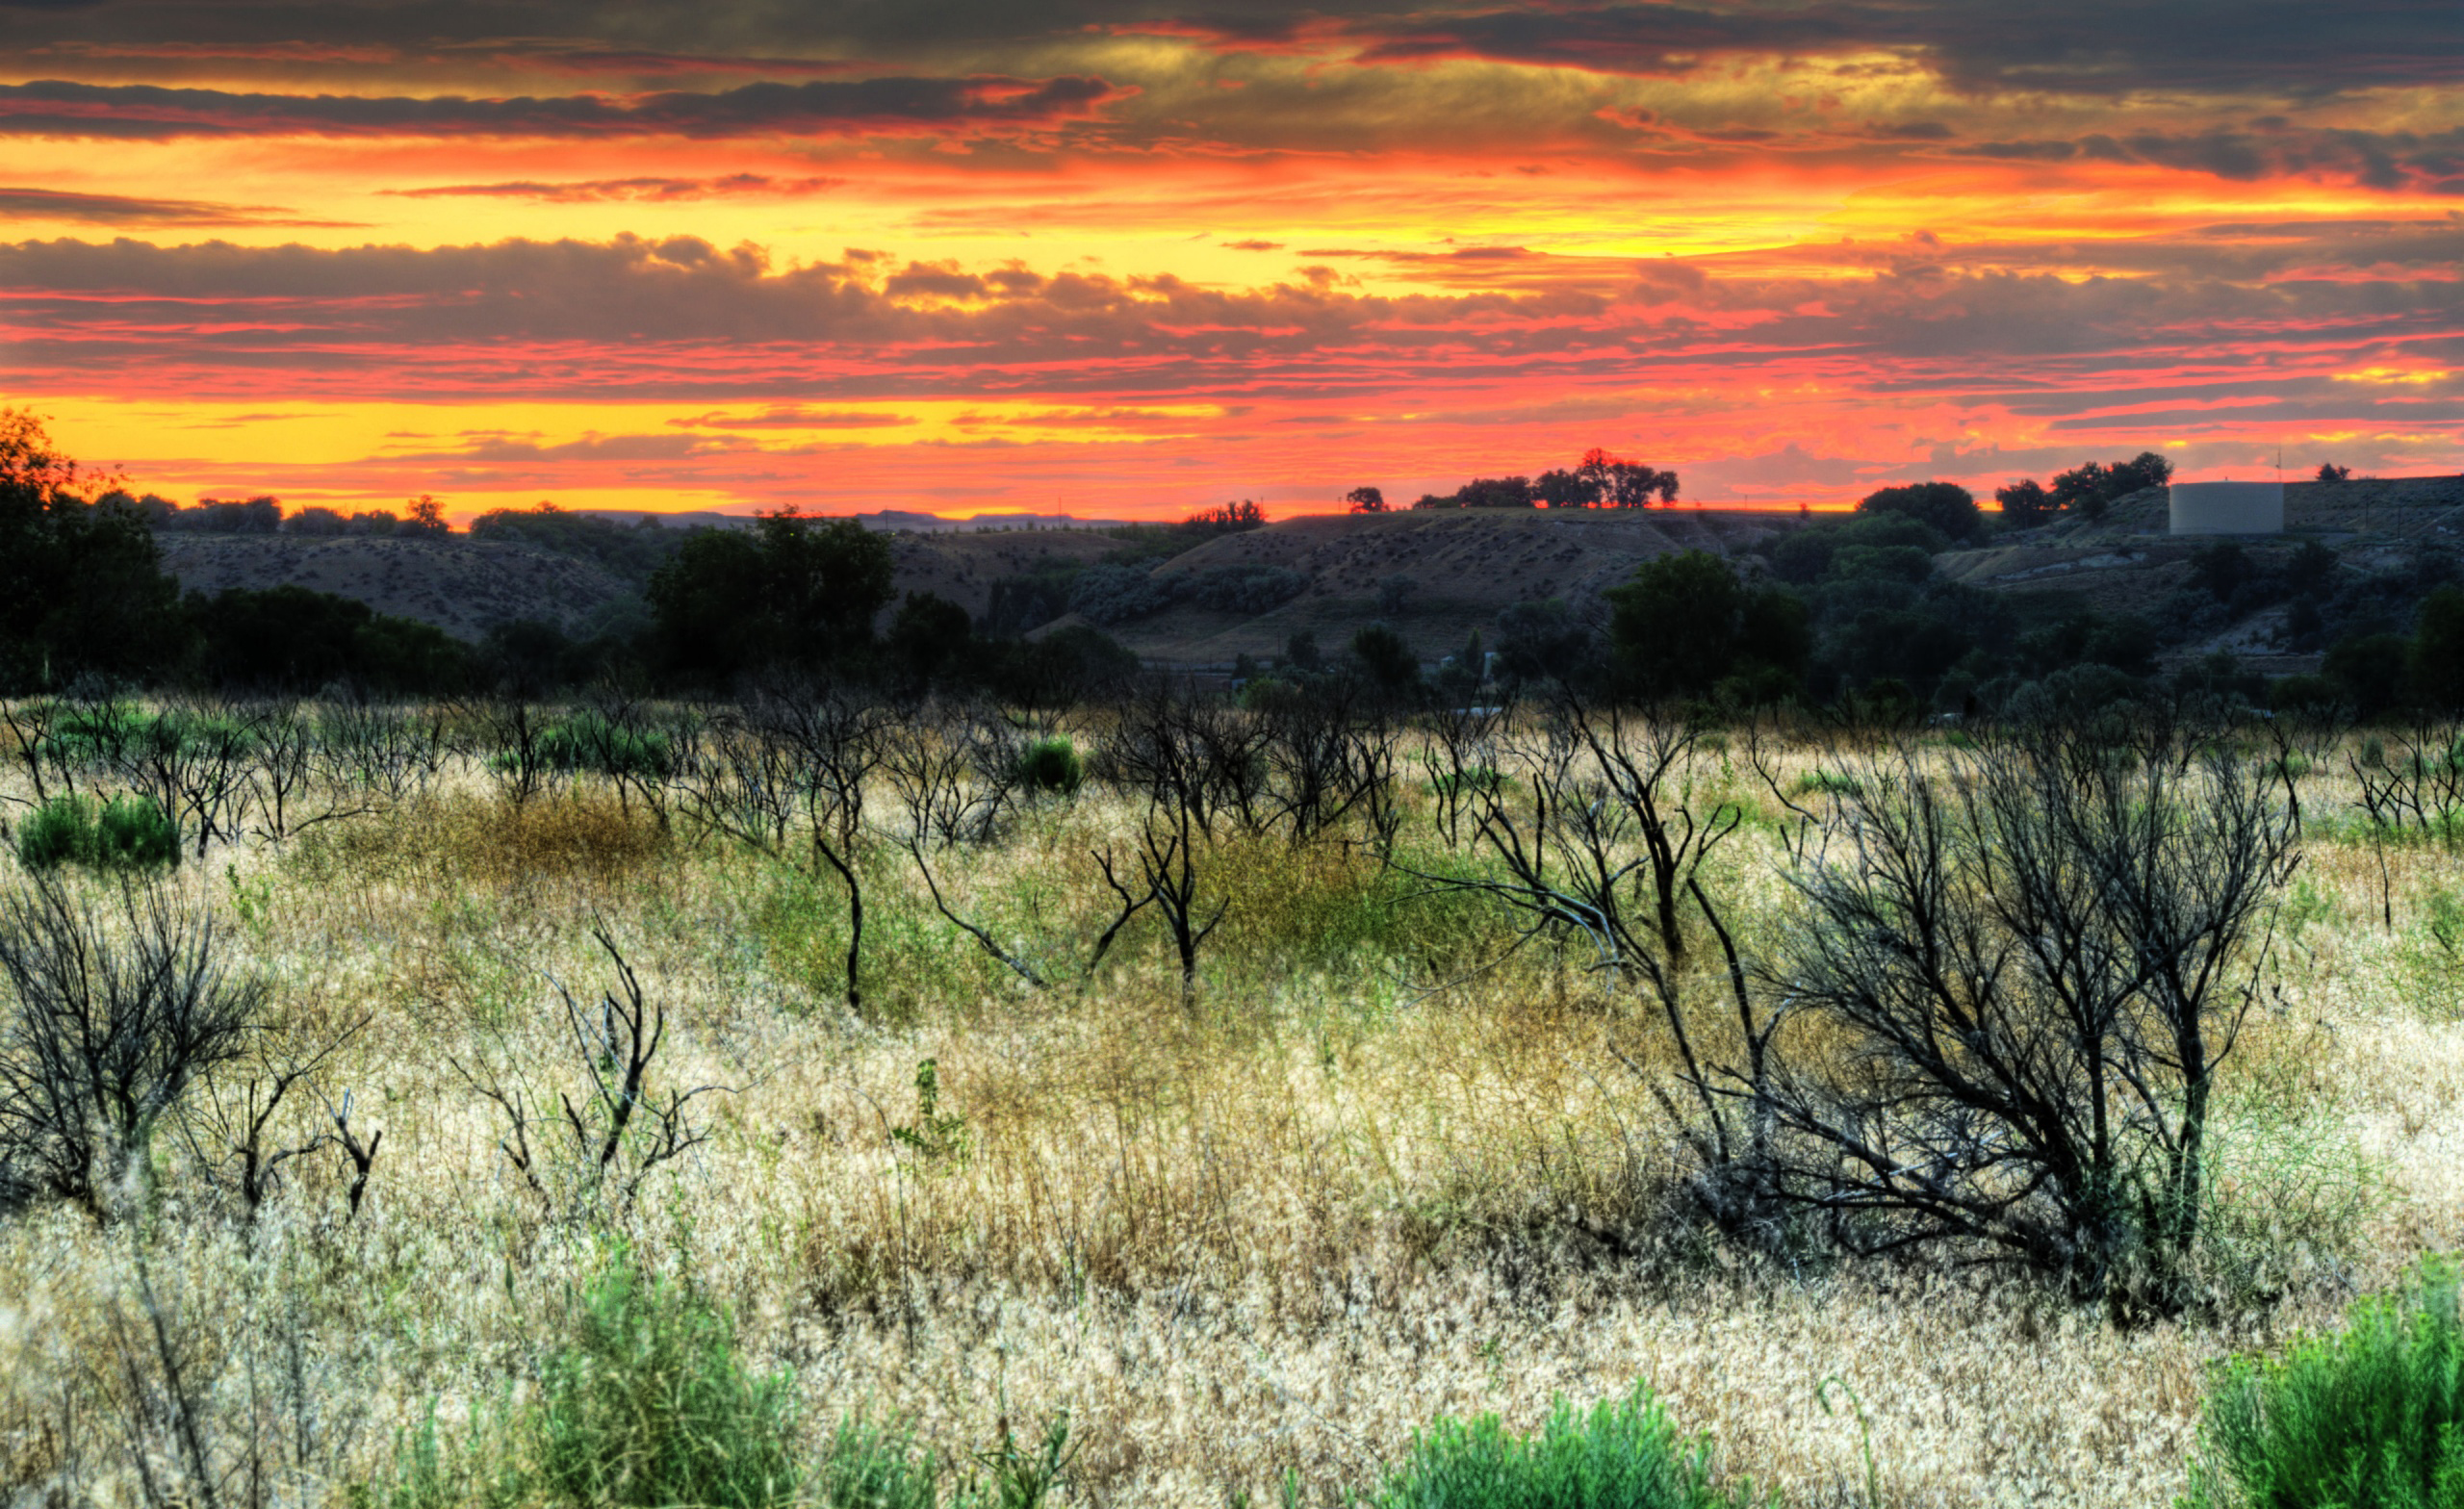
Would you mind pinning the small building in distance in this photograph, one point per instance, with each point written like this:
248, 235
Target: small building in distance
2227, 507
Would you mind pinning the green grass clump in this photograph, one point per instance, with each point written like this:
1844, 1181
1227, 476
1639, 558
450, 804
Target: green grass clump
60, 832
647, 1404
590, 742
135, 833
1825, 782
123, 833
1620, 1455
1052, 765
2371, 1417
641, 1403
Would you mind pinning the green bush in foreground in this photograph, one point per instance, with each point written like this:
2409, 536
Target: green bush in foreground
1620, 1455
642, 1403
647, 1404
125, 833
2371, 1418
1052, 765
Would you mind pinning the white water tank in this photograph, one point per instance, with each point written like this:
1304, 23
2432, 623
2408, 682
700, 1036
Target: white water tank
2227, 507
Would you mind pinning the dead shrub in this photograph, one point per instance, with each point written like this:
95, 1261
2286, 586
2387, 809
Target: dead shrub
584, 835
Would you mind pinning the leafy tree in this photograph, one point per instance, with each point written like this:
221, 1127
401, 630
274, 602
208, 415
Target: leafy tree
2145, 470
1684, 624
290, 637
2369, 671
1804, 555
792, 591
1225, 519
1366, 500
1387, 658
1565, 489
1495, 492
1775, 631
1545, 641
2312, 567
317, 522
2025, 503
1069, 665
2086, 489
2437, 656
1634, 485
929, 636
213, 516
1945, 505
1624, 484
424, 515
2219, 569
2330, 472
82, 587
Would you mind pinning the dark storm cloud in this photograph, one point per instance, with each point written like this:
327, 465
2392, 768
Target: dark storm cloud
111, 209
679, 317
56, 108
2395, 160
2099, 46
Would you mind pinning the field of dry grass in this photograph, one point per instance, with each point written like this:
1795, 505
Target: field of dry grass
1365, 1182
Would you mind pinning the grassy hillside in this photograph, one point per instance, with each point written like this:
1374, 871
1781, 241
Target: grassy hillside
1467, 565
463, 586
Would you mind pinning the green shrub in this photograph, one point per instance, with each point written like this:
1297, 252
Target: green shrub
642, 1403
2371, 1417
125, 833
590, 742
1825, 782
877, 1466
136, 833
647, 1404
1621, 1454
1052, 765
60, 832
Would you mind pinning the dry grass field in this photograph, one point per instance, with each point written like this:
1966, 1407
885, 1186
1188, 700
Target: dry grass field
1379, 1167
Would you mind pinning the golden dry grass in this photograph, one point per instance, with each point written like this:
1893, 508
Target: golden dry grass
1281, 1233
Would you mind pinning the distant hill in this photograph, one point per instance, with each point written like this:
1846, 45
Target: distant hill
2130, 562
1467, 564
466, 586
462, 585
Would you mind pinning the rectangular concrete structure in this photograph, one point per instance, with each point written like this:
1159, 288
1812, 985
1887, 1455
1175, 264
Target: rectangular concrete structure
2227, 507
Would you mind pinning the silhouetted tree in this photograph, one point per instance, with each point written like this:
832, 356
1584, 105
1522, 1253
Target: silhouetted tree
929, 637
793, 591
2025, 503
2437, 658
1387, 659
1685, 622
423, 516
2330, 472
1366, 500
82, 587
1945, 505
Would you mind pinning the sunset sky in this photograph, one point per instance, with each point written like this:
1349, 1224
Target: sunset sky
1125, 258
